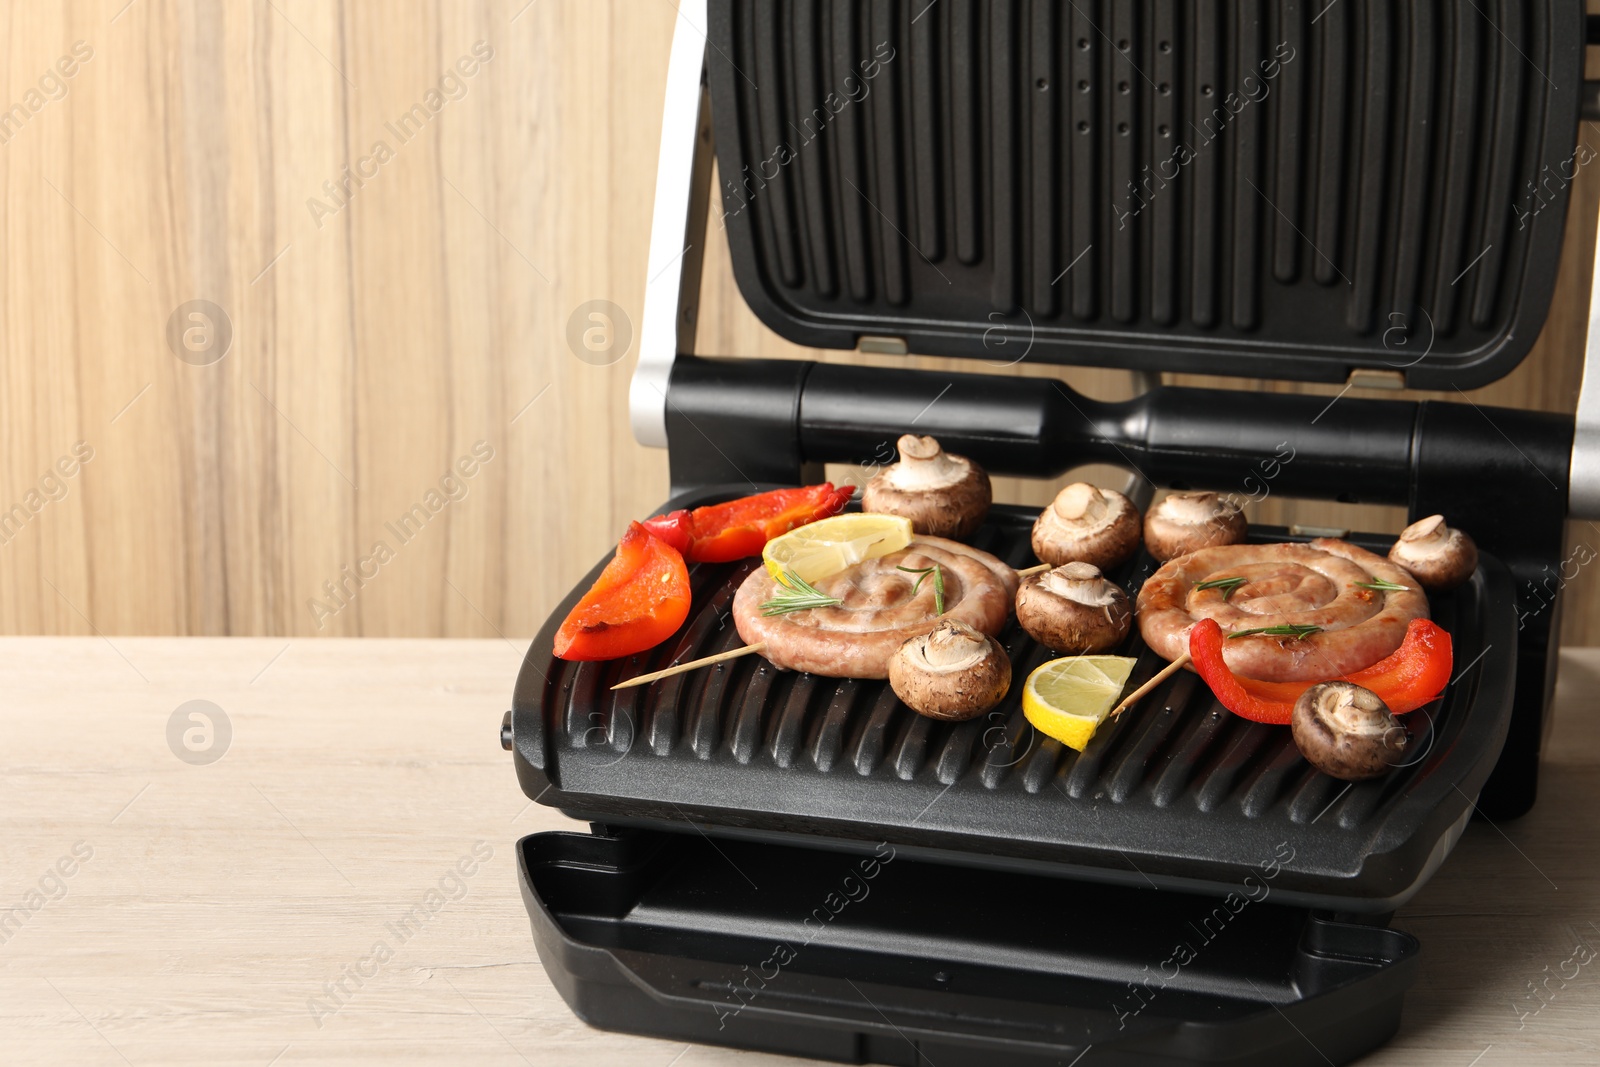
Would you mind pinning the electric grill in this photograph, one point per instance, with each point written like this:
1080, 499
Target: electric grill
1355, 192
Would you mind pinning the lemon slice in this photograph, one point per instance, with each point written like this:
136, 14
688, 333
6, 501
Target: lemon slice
828, 546
1067, 699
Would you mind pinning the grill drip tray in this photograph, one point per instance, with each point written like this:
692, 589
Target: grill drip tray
886, 959
1177, 794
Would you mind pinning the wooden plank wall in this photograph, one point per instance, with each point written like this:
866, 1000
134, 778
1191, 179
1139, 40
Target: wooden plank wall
398, 439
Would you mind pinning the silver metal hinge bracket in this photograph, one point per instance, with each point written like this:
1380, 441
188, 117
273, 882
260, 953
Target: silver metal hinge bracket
1583, 486
677, 227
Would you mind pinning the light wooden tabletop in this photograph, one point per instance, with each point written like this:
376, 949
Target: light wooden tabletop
178, 911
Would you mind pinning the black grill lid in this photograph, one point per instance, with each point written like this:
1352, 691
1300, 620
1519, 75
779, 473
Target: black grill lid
1274, 190
1178, 793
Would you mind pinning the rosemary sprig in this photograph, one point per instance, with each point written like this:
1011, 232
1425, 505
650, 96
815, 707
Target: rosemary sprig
1298, 631
1228, 585
938, 584
797, 595
1381, 586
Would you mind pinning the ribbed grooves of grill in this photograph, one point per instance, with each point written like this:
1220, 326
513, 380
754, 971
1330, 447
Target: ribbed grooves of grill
1275, 168
1178, 749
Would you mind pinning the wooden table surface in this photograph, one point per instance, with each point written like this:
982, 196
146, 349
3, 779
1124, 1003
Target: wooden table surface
175, 911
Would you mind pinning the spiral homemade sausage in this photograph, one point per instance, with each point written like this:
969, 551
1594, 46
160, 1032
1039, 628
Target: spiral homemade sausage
1312, 584
878, 610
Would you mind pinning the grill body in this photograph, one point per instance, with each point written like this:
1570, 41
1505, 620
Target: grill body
1360, 192
858, 883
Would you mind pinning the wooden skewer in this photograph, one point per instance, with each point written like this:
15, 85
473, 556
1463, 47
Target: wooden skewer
1162, 675
681, 668
694, 664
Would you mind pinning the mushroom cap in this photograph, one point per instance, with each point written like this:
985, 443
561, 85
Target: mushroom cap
1087, 524
953, 672
943, 495
1187, 522
1347, 732
1074, 609
1438, 556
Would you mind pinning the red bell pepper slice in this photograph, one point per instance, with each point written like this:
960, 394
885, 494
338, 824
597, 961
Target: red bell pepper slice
718, 533
673, 528
1409, 677
639, 600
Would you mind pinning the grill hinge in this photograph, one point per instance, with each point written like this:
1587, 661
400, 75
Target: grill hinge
677, 228
1583, 487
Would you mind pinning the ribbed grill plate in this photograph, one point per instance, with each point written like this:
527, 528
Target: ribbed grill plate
1284, 190
1178, 792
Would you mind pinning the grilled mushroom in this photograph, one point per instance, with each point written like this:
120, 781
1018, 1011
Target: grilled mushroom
1088, 525
1073, 609
1438, 556
943, 495
952, 672
1347, 731
1186, 522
